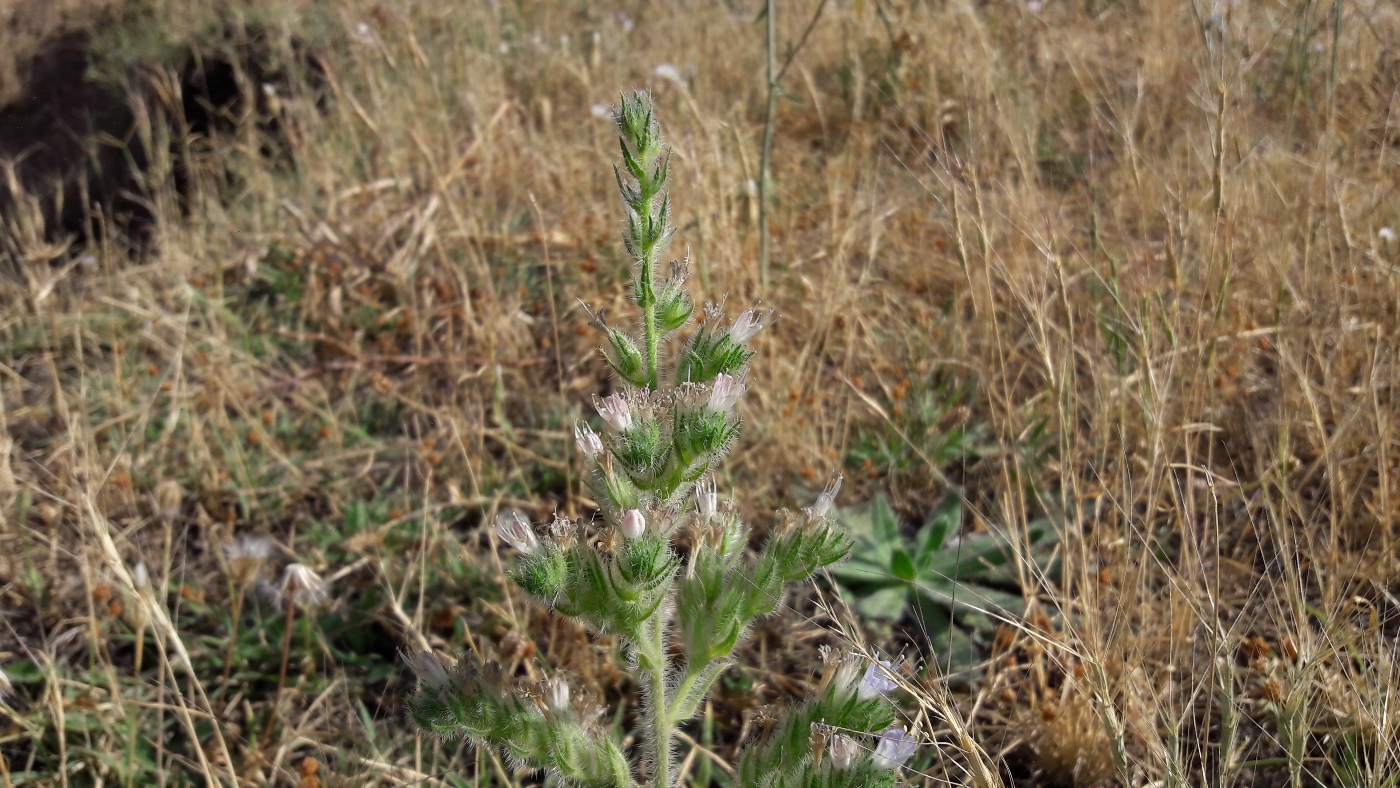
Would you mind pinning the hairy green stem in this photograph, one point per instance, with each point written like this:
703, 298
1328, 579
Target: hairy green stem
660, 712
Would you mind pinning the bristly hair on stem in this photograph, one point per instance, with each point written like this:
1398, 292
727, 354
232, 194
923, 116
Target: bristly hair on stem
660, 435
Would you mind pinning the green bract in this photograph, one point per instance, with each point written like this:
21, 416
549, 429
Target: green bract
661, 434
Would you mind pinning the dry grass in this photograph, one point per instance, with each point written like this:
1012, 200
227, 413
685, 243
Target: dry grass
1149, 234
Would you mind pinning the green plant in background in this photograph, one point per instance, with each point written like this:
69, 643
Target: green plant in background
955, 583
922, 430
679, 618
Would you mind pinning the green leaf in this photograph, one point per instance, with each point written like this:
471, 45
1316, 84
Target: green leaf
884, 527
901, 565
887, 603
941, 524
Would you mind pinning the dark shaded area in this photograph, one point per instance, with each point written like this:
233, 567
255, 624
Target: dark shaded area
51, 138
71, 140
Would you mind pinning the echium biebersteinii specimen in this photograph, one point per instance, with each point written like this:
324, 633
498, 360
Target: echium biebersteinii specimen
679, 619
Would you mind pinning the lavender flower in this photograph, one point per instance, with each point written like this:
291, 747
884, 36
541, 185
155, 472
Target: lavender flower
894, 749
879, 679
516, 531
615, 411
726, 392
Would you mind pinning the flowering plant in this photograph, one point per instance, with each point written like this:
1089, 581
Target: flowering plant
679, 617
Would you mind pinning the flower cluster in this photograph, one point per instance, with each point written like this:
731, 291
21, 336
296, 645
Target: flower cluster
679, 613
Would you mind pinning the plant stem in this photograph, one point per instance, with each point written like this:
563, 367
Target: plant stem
282, 672
662, 723
131, 741
763, 176
646, 296
232, 640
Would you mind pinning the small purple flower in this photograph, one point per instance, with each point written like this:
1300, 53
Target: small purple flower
615, 411
894, 749
517, 532
725, 394
879, 679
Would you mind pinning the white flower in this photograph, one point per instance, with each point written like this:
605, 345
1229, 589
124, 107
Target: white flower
846, 672
633, 524
601, 111
625, 21
843, 750
504, 48
429, 669
588, 441
615, 411
879, 679
725, 394
827, 498
894, 749
303, 586
558, 691
748, 323
670, 73
706, 498
1035, 6
1387, 235
516, 531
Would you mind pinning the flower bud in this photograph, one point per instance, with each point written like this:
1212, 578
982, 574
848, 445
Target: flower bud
894, 749
588, 441
725, 393
615, 411
633, 524
516, 531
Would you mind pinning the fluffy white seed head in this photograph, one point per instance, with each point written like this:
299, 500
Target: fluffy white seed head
588, 441
725, 394
896, 746
615, 411
748, 323
303, 586
633, 524
517, 532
